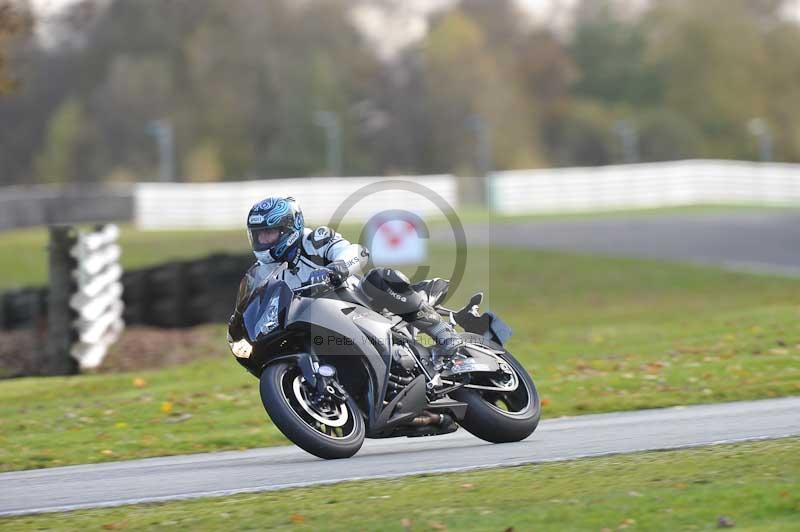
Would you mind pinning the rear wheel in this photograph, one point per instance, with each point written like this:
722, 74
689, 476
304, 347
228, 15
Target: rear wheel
501, 417
328, 428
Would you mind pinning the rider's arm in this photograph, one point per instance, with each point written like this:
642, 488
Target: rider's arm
337, 249
354, 256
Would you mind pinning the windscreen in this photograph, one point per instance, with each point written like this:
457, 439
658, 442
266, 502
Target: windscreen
256, 277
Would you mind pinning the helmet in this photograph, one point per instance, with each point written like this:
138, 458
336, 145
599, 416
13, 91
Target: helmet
275, 228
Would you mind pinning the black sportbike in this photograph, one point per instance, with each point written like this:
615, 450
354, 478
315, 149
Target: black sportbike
333, 371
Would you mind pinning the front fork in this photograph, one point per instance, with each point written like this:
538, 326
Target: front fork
322, 378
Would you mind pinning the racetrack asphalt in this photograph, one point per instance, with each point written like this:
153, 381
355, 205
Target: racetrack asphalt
758, 241
226, 473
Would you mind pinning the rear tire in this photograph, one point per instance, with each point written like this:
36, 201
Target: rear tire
278, 394
489, 422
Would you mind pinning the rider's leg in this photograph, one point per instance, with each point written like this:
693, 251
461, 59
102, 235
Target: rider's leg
391, 289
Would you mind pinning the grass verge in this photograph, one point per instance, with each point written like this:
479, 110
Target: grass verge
597, 334
753, 486
23, 253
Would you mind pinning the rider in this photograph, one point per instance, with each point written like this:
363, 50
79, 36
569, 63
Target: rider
277, 233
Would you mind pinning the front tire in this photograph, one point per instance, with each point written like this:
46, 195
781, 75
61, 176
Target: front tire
334, 432
502, 417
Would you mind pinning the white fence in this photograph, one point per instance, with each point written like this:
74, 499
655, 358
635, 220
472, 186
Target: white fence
665, 184
225, 205
692, 182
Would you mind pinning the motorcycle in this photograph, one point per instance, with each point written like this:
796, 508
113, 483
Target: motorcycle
333, 371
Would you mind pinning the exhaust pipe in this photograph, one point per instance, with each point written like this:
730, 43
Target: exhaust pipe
427, 418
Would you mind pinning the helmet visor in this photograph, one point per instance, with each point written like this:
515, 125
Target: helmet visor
263, 238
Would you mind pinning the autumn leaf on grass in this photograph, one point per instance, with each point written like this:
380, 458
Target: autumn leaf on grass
139, 382
178, 417
544, 402
166, 407
297, 518
115, 526
107, 452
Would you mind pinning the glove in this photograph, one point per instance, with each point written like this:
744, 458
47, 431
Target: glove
320, 275
336, 272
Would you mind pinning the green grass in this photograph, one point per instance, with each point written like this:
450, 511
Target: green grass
479, 214
23, 253
755, 486
598, 334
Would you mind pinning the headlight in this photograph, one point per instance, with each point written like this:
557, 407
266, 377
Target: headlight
241, 349
270, 318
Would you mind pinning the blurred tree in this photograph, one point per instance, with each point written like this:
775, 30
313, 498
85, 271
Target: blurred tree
547, 69
717, 80
137, 89
262, 70
58, 160
534, 61
782, 84
665, 135
204, 163
464, 82
15, 19
581, 134
609, 53
397, 117
241, 84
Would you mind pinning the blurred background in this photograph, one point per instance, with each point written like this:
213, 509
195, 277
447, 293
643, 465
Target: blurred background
621, 169
201, 90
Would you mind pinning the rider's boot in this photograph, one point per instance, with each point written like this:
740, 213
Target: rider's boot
428, 321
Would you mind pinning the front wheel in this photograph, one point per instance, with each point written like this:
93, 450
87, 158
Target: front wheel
501, 417
329, 428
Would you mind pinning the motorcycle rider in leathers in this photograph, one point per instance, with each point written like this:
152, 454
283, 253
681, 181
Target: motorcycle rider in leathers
277, 233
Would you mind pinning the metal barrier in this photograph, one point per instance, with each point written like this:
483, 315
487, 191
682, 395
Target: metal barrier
634, 186
44, 205
225, 205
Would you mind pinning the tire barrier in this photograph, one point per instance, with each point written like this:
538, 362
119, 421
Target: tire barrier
23, 308
185, 293
174, 295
